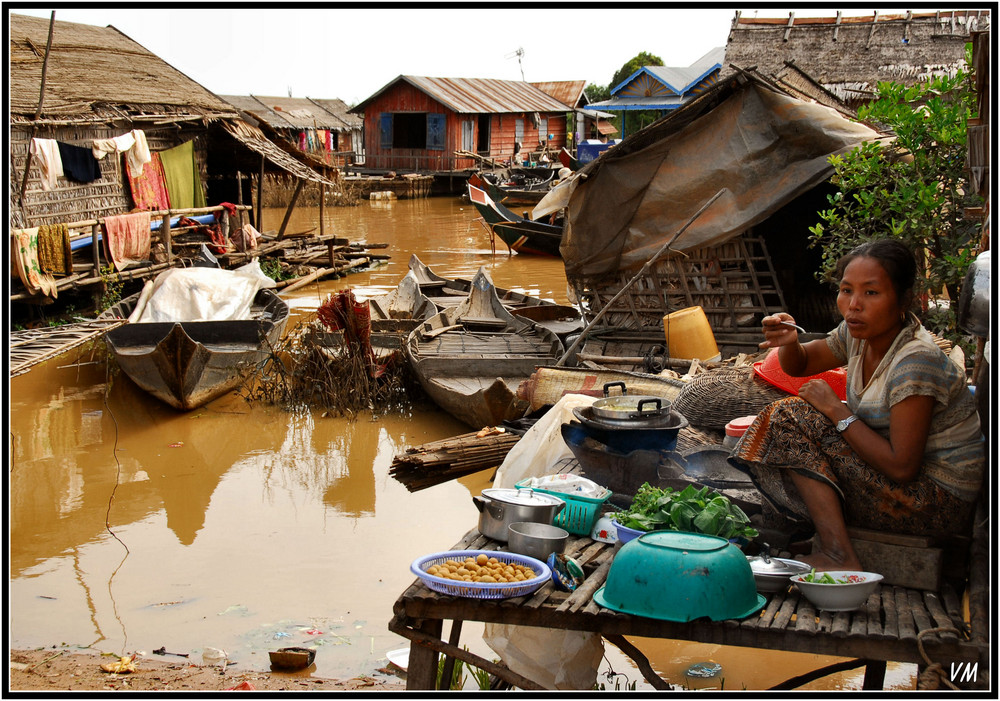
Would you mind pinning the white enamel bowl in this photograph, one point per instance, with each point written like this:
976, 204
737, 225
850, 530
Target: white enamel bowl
838, 597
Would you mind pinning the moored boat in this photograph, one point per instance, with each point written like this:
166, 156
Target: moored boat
520, 233
188, 363
471, 357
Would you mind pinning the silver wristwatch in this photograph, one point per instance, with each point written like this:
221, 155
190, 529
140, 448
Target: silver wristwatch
844, 423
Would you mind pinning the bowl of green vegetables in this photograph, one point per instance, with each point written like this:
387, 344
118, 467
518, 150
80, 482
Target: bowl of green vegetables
837, 590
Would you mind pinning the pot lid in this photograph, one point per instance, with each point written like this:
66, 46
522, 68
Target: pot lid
776, 566
521, 497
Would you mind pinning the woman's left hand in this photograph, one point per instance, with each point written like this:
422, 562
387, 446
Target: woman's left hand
824, 399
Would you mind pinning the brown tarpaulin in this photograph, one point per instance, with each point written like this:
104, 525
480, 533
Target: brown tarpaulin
763, 146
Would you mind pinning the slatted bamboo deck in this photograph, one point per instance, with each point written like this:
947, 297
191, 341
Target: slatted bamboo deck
33, 346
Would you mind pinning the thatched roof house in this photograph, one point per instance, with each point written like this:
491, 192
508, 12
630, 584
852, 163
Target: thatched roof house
849, 56
100, 84
322, 128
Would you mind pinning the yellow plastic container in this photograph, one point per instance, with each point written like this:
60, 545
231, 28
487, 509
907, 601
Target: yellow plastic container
689, 335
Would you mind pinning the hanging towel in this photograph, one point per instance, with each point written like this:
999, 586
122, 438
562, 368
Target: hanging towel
102, 147
182, 177
25, 256
46, 152
245, 238
329, 140
138, 155
126, 238
54, 253
302, 141
149, 189
78, 163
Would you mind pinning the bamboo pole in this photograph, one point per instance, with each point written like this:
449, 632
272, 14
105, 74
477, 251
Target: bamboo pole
642, 271
291, 206
260, 195
38, 111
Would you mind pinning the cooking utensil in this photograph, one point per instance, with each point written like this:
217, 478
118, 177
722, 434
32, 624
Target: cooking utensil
537, 540
772, 573
626, 407
498, 508
676, 576
794, 326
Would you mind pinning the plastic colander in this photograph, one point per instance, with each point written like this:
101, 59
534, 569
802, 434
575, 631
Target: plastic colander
678, 576
769, 370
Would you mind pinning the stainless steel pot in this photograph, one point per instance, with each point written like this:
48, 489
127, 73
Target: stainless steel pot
498, 508
772, 573
625, 407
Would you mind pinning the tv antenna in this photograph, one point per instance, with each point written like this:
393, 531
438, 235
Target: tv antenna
519, 53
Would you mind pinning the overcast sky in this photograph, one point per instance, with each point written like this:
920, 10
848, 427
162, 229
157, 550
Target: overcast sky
331, 52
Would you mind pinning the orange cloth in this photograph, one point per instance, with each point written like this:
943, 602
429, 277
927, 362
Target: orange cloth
126, 238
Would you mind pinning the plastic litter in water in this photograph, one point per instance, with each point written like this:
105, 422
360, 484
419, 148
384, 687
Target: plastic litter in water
704, 670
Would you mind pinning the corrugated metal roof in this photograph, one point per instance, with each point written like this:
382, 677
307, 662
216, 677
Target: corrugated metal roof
341, 111
681, 79
479, 95
568, 92
301, 112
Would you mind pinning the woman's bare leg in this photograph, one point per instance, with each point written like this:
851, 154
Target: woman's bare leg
835, 549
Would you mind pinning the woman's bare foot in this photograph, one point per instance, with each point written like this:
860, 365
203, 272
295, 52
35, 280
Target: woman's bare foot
824, 562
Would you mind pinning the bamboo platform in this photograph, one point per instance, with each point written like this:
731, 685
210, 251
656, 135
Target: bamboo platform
33, 346
896, 624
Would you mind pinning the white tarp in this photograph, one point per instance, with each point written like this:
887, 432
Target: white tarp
201, 294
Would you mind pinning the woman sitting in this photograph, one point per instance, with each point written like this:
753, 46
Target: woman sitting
903, 454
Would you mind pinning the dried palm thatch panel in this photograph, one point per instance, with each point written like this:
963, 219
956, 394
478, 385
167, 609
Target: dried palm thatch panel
849, 56
734, 283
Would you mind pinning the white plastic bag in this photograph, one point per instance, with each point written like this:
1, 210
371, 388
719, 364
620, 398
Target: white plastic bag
554, 659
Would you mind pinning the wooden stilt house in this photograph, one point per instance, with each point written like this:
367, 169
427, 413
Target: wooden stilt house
78, 91
417, 123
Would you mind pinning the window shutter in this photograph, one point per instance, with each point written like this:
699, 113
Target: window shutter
385, 130
435, 131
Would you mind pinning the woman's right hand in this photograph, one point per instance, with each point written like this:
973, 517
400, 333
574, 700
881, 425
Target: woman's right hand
777, 334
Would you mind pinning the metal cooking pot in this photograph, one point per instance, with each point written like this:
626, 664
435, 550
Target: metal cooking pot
498, 508
625, 407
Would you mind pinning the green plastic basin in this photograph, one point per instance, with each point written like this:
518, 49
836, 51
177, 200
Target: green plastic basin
677, 576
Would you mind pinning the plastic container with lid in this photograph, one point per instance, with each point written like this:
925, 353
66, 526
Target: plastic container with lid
735, 430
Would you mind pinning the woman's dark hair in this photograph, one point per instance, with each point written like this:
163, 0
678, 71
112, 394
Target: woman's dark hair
894, 256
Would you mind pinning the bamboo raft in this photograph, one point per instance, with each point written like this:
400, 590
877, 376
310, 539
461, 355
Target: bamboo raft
440, 461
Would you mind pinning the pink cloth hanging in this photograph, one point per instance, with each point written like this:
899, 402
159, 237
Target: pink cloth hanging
126, 238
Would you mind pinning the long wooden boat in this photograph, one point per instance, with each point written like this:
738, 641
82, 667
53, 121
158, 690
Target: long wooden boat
471, 358
516, 187
447, 292
520, 233
187, 364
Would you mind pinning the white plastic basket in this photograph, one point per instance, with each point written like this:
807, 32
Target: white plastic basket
481, 590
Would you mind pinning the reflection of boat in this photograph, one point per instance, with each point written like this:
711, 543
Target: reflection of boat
447, 292
471, 357
520, 233
189, 363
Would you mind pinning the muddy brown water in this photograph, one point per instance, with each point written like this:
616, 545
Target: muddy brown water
246, 528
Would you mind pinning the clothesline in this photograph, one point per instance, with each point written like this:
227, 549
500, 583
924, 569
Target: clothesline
160, 213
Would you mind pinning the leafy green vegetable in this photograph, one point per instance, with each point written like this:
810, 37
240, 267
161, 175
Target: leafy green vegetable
691, 510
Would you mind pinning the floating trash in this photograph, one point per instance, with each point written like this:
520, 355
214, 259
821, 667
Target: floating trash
704, 670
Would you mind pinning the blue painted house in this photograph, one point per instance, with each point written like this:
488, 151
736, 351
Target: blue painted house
664, 88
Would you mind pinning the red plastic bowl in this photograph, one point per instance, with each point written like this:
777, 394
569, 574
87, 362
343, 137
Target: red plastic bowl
770, 371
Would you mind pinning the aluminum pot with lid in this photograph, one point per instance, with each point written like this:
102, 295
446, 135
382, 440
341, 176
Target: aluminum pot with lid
772, 573
498, 508
628, 406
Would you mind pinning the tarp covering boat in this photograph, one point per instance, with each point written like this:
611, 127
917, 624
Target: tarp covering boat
760, 144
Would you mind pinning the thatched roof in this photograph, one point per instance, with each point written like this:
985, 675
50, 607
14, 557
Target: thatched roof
849, 56
97, 74
289, 112
340, 110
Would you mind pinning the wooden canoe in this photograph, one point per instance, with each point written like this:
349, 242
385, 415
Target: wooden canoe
187, 364
470, 358
520, 233
447, 292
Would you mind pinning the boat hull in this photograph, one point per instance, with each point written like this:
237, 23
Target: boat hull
188, 364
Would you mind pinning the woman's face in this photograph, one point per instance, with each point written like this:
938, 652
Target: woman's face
868, 301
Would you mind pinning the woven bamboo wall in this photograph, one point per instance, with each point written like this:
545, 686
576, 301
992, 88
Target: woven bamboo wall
73, 201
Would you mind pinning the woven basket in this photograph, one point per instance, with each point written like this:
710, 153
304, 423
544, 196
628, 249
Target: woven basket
714, 398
